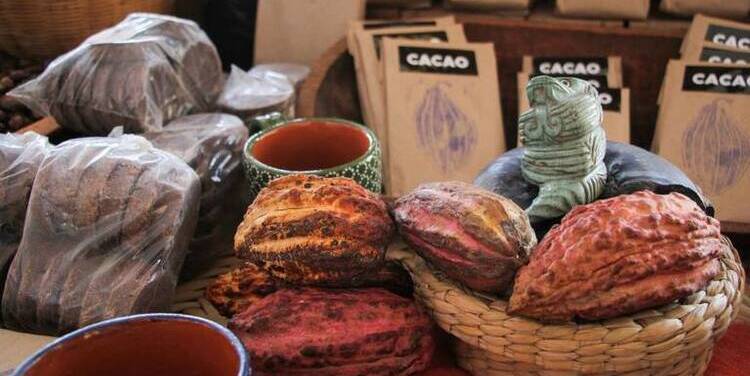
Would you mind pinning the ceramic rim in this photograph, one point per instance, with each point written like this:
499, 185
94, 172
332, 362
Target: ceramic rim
239, 349
256, 137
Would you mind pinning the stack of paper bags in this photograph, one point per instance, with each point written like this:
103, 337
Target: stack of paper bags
604, 73
704, 107
431, 98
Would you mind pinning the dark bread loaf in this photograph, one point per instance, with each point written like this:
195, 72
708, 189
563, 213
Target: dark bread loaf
335, 332
210, 143
106, 235
139, 74
20, 157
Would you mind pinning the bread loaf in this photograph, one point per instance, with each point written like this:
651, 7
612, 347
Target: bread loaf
20, 157
106, 235
139, 74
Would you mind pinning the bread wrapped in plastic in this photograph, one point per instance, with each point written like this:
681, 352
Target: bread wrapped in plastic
20, 157
139, 74
252, 94
210, 143
106, 234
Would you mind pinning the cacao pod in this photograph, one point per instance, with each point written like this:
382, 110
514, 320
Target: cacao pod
309, 230
232, 292
618, 256
472, 235
322, 332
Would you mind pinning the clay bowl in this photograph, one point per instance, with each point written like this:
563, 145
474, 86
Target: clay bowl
149, 344
315, 146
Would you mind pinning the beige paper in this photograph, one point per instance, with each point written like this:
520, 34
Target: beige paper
616, 124
300, 31
718, 54
15, 347
619, 9
715, 30
444, 117
353, 46
707, 133
721, 8
368, 44
568, 66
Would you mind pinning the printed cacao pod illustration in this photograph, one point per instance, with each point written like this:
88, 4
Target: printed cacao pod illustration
447, 134
309, 230
337, 332
715, 149
472, 235
618, 256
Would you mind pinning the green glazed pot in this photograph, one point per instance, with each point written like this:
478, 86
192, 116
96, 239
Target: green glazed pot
317, 146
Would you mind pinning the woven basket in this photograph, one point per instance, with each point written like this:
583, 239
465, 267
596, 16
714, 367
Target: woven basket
43, 29
676, 339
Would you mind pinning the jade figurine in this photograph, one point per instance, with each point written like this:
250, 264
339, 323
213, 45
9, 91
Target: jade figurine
565, 145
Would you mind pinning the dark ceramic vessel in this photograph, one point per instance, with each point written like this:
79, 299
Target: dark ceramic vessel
149, 344
316, 146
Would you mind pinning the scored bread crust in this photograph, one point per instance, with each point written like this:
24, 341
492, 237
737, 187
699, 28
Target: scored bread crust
618, 256
310, 230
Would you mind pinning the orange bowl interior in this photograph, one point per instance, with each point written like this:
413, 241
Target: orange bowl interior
311, 145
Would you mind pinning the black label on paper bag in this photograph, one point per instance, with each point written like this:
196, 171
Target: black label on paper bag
729, 36
397, 23
715, 55
610, 99
570, 66
440, 36
437, 60
717, 79
598, 82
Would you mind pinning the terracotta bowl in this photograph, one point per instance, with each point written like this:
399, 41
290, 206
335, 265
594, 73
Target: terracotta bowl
149, 344
317, 146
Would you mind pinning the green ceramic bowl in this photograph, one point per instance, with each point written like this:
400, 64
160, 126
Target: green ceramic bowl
316, 146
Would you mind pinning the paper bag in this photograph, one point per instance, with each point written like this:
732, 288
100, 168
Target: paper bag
444, 117
718, 54
297, 31
489, 5
615, 105
703, 129
369, 45
591, 68
722, 8
619, 9
715, 30
353, 47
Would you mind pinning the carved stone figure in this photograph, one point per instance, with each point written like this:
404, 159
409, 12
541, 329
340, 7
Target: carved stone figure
565, 145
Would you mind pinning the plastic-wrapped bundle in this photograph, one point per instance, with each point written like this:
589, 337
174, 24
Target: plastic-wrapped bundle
142, 72
296, 73
106, 233
252, 94
20, 157
212, 145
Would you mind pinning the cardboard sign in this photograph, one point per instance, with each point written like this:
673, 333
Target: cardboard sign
702, 128
718, 54
588, 68
444, 119
615, 105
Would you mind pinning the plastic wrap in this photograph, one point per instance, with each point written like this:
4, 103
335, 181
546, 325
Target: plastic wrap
139, 74
296, 73
212, 145
252, 94
106, 234
20, 157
